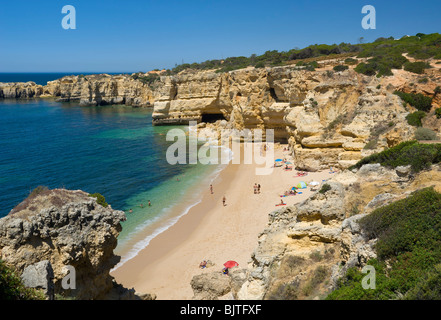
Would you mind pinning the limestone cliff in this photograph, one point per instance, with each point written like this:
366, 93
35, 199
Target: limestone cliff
320, 238
19, 90
306, 248
66, 228
327, 117
103, 89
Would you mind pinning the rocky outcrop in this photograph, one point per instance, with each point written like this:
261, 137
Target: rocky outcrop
102, 89
20, 90
306, 248
40, 276
218, 286
74, 234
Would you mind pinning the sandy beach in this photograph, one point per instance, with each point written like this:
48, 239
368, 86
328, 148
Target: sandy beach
212, 231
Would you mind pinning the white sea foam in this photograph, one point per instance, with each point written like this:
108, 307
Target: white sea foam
140, 245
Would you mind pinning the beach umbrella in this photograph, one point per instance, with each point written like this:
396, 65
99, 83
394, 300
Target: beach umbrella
302, 185
278, 160
314, 183
288, 162
231, 264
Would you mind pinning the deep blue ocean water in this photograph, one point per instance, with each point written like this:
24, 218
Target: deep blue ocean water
112, 150
38, 78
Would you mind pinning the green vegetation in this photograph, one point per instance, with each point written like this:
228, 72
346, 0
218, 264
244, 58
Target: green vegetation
341, 68
414, 119
382, 64
437, 91
371, 145
408, 251
351, 61
438, 113
416, 67
100, 199
325, 188
147, 79
418, 101
425, 134
12, 288
310, 66
384, 54
418, 156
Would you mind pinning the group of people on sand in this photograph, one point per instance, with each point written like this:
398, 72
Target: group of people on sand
290, 193
256, 188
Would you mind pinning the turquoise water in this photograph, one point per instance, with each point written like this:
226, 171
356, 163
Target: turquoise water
112, 150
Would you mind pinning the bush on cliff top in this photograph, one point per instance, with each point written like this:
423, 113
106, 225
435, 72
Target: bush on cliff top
384, 55
418, 156
408, 251
101, 200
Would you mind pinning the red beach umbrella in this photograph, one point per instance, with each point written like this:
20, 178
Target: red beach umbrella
231, 264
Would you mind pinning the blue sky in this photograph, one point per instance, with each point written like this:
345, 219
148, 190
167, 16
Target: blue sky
140, 35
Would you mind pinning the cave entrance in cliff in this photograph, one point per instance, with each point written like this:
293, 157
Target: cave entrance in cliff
212, 117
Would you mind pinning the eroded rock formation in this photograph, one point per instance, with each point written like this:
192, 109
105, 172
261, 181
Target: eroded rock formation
328, 117
66, 229
306, 248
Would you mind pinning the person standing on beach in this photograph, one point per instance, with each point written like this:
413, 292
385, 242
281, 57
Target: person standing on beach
224, 200
258, 188
211, 188
150, 204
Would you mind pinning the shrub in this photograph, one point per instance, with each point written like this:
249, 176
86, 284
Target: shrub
371, 145
418, 156
427, 288
408, 237
437, 91
351, 61
325, 188
288, 291
438, 113
366, 69
100, 199
341, 68
414, 119
418, 101
425, 134
316, 256
416, 67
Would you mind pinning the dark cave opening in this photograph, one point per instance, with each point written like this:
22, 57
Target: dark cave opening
212, 117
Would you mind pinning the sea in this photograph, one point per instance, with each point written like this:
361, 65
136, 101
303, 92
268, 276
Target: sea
111, 150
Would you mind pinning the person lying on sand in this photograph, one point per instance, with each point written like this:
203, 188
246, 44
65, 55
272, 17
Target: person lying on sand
203, 264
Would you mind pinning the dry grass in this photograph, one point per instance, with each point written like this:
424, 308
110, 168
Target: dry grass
41, 197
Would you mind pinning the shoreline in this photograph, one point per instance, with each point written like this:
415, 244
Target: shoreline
210, 231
